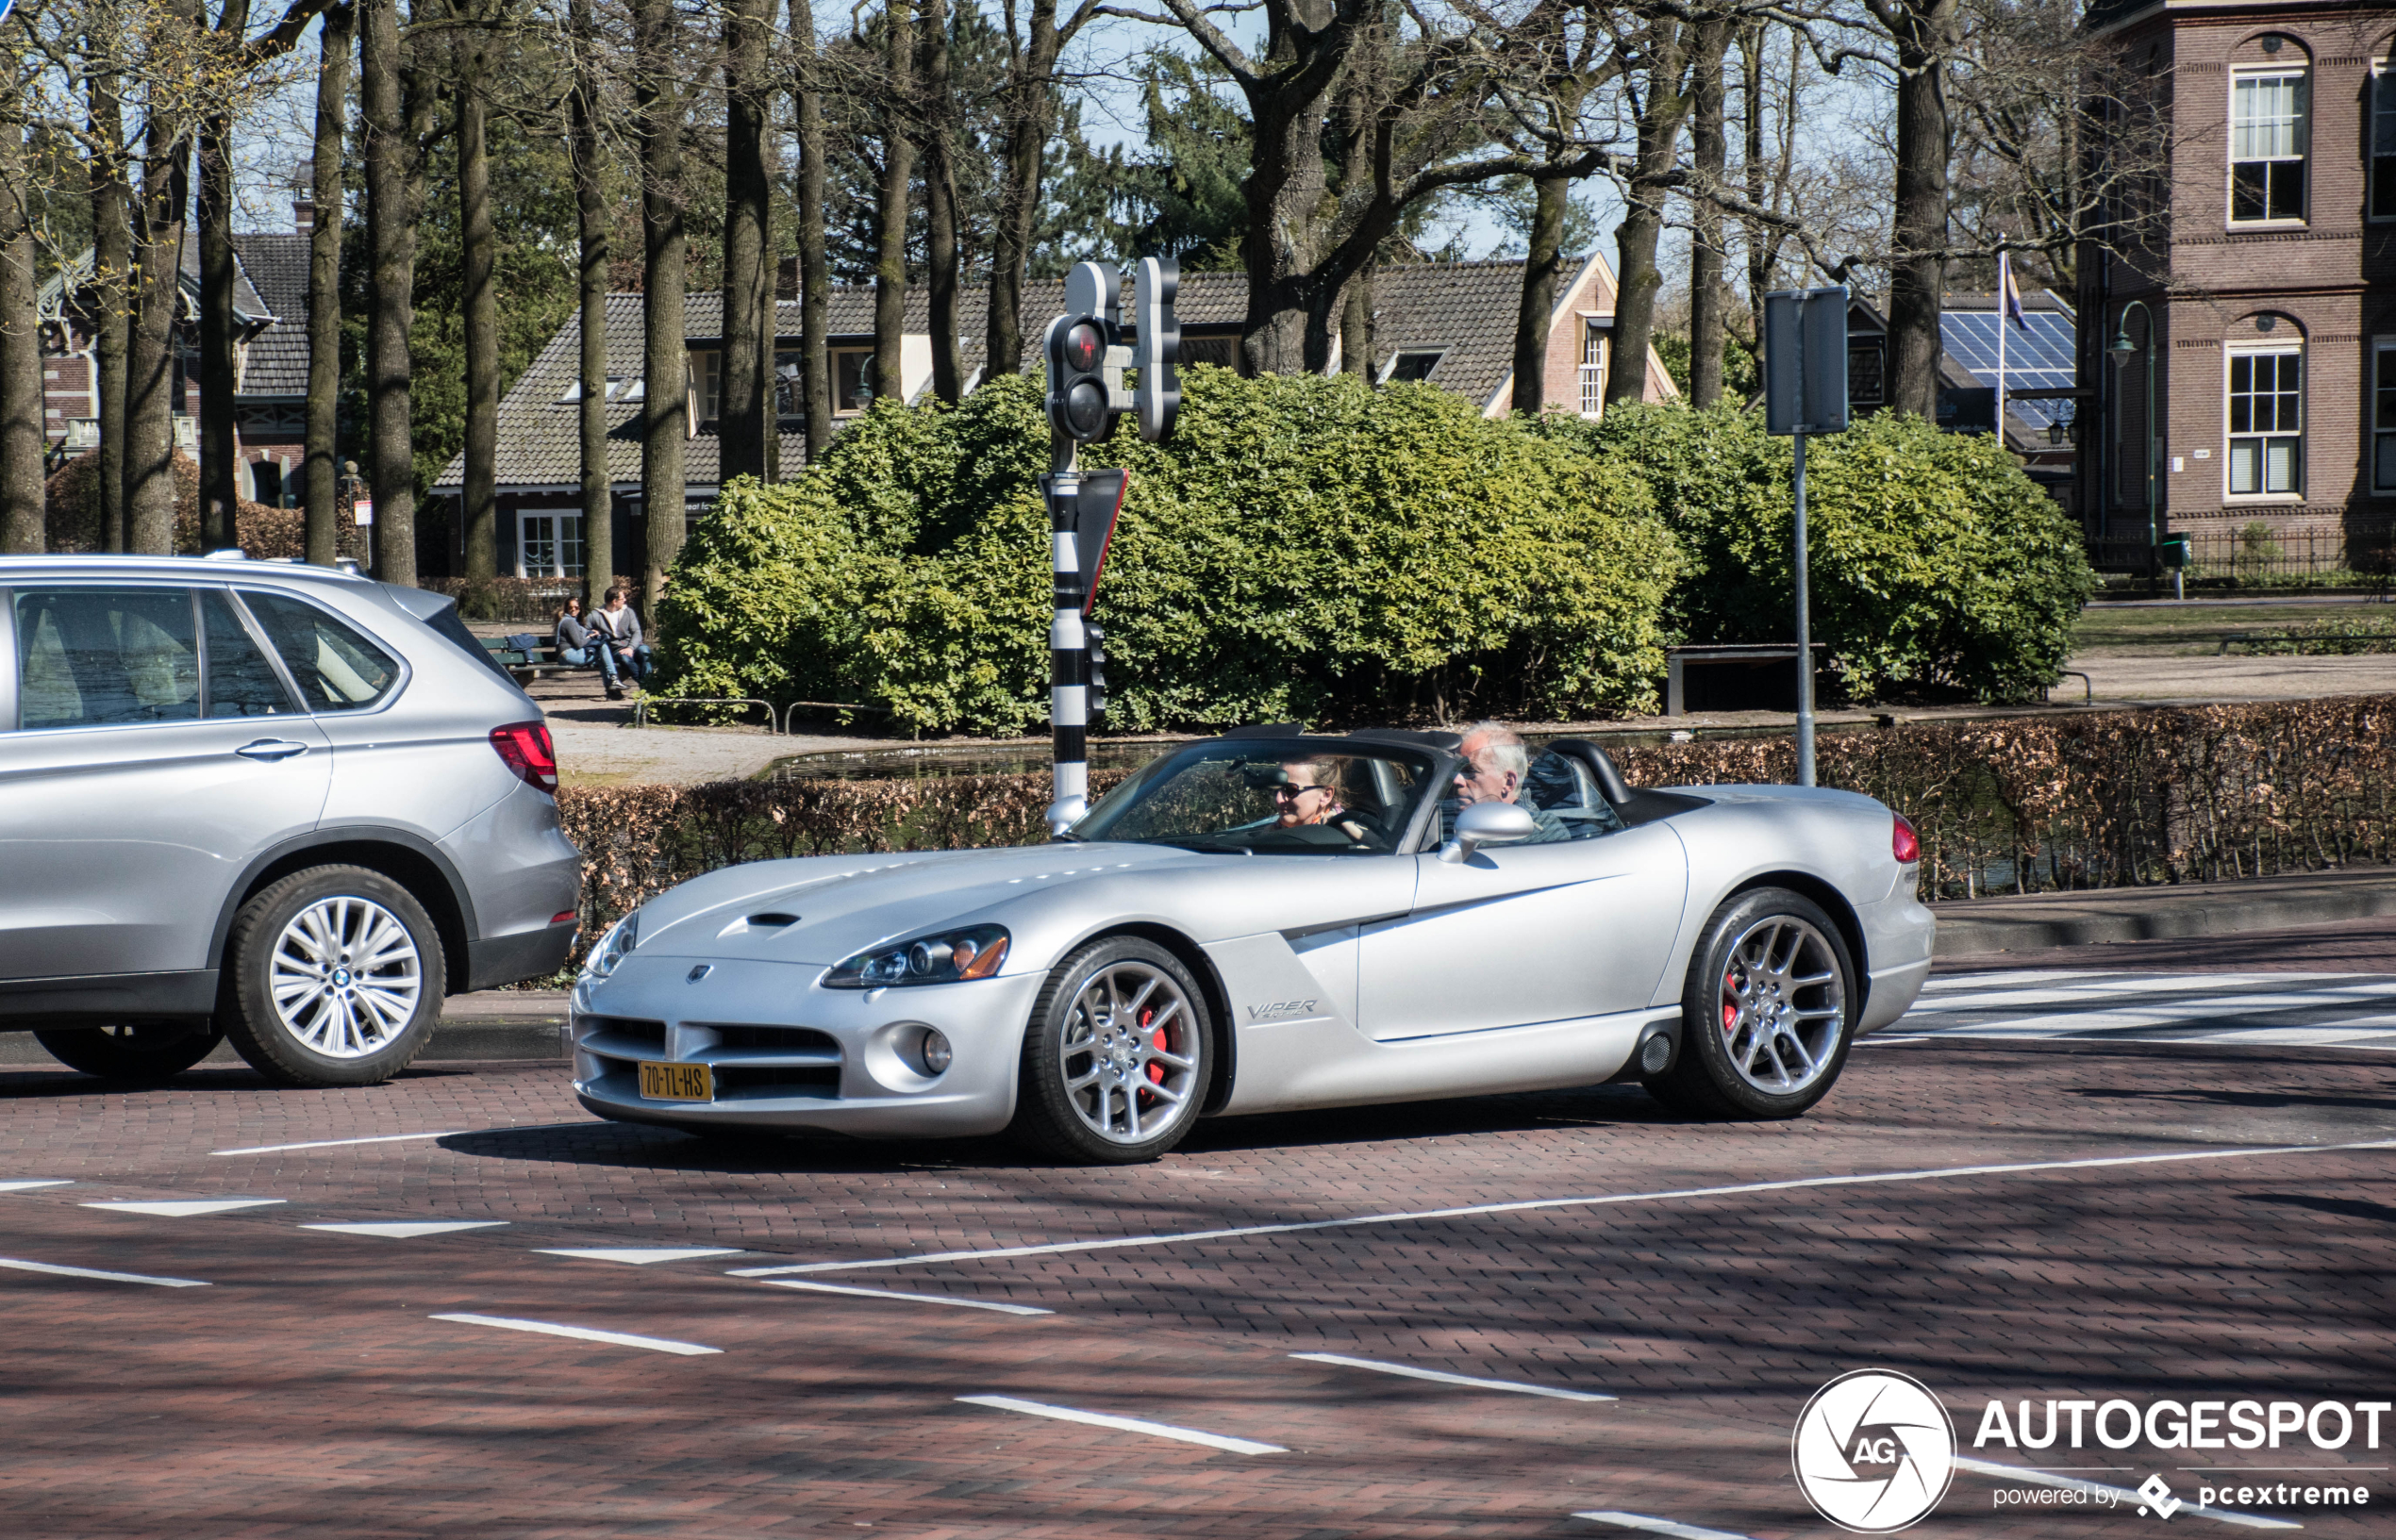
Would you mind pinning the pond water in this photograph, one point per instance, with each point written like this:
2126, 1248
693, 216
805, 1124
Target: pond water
921, 762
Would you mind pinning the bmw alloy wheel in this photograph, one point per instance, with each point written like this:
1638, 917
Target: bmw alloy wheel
1783, 1005
346, 977
1130, 1067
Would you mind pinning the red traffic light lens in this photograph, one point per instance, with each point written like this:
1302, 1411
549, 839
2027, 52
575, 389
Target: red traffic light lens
1084, 346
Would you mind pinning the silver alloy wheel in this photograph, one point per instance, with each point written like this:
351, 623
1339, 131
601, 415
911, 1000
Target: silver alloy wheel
346, 977
1783, 1005
1127, 1052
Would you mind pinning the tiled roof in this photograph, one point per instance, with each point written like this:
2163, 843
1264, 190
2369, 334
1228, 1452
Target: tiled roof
276, 269
1466, 308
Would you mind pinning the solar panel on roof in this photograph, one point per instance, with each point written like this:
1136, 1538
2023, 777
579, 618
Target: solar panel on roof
2039, 358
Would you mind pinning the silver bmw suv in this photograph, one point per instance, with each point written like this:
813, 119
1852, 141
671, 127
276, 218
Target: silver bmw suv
276, 803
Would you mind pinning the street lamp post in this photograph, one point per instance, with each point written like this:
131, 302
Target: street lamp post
2122, 348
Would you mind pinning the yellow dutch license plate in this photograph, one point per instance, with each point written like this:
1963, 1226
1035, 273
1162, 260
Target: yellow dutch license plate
677, 1082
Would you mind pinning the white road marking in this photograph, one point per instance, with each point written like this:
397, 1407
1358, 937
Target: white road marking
1660, 1525
328, 1144
92, 1272
640, 1256
406, 1229
1528, 1204
29, 1186
2293, 1010
185, 1208
1129, 1425
1445, 1378
2120, 1494
926, 1298
583, 1334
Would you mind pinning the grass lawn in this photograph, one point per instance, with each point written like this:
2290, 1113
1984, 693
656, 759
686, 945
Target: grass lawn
2173, 630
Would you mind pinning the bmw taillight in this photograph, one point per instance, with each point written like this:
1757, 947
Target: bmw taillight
1903, 843
528, 750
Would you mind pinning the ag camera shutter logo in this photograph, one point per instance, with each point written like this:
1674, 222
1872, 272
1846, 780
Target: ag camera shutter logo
1874, 1451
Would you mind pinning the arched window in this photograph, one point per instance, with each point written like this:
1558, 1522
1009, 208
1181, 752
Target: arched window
2268, 130
2266, 413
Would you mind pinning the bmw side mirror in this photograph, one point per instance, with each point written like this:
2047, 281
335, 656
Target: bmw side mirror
1487, 823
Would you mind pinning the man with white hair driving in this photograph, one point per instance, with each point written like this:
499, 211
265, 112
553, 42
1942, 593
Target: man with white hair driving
1496, 763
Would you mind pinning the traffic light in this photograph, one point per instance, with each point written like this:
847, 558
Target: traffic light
1097, 670
1157, 346
1086, 355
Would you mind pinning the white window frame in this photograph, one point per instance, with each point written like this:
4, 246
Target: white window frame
1593, 369
706, 385
2262, 441
2382, 403
557, 573
2301, 71
2380, 145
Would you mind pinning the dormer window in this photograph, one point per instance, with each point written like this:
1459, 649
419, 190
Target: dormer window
1413, 365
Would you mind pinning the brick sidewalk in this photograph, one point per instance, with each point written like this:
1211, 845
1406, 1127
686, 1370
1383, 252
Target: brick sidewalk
307, 1391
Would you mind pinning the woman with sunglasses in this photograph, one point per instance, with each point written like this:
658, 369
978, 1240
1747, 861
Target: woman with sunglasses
1314, 792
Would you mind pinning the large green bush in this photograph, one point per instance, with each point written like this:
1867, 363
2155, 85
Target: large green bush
1303, 549
1935, 560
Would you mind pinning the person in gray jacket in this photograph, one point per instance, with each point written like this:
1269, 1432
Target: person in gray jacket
621, 651
576, 646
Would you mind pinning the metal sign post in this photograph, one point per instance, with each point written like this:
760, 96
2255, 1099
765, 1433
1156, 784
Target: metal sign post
1804, 392
1087, 349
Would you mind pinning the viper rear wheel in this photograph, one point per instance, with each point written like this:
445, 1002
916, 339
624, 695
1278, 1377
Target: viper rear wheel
1767, 1012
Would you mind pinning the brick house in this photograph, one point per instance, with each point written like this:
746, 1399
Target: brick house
270, 309
1450, 325
2263, 299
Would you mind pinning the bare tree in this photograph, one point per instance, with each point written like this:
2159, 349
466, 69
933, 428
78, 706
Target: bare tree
479, 505
112, 296
1027, 119
745, 436
590, 215
322, 469
1711, 155
219, 376
940, 204
20, 438
158, 220
665, 405
397, 117
815, 268
897, 90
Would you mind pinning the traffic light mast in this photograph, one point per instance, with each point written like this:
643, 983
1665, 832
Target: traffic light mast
1088, 349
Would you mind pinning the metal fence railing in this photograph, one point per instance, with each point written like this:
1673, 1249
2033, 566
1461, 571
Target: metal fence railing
2257, 554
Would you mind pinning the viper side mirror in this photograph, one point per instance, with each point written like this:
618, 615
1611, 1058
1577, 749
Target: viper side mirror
1487, 823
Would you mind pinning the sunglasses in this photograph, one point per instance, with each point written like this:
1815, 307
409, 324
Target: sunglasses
1288, 793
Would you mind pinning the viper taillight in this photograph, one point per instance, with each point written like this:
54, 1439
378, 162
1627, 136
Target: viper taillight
528, 750
1903, 843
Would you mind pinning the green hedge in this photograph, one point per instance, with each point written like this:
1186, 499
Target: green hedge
1935, 560
1303, 549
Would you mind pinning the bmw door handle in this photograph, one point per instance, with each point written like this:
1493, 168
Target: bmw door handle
271, 748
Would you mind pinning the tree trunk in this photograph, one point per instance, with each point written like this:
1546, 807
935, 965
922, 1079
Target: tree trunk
1924, 31
21, 394
324, 290
898, 173
815, 267
939, 207
1356, 329
479, 506
1758, 243
665, 366
1663, 109
219, 370
393, 178
149, 450
111, 258
1536, 318
591, 208
1027, 106
1710, 153
1288, 326
745, 413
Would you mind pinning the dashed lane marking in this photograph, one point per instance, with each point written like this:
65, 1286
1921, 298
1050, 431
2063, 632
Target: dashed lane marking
639, 1256
328, 1144
2121, 1495
924, 1299
407, 1229
184, 1208
1660, 1525
1128, 1425
1440, 1377
22, 1266
29, 1186
1528, 1205
582, 1334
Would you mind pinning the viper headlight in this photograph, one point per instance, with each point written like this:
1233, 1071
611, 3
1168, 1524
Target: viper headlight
947, 957
613, 947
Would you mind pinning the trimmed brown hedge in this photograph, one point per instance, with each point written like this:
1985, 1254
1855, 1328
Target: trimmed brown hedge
2102, 800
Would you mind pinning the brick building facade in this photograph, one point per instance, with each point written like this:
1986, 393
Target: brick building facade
2262, 295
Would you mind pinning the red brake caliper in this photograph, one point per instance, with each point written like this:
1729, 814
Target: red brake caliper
1156, 1070
1730, 1004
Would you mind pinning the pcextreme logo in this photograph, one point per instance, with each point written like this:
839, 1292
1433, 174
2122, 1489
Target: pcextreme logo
1874, 1451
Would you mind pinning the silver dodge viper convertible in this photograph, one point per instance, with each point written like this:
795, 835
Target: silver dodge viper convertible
1269, 920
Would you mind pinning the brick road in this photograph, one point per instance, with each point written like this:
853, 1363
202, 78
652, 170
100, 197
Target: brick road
310, 1390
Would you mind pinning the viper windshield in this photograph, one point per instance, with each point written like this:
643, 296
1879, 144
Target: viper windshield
1269, 798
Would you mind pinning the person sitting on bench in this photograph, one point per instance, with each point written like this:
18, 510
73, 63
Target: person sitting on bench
621, 649
577, 647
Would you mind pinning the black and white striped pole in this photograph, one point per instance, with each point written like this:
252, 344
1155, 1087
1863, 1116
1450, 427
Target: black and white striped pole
1088, 352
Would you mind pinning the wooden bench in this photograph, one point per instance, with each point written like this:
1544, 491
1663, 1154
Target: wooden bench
539, 663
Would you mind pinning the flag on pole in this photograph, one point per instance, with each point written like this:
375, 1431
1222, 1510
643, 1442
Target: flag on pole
2009, 292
